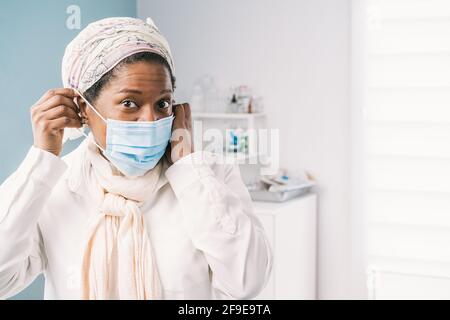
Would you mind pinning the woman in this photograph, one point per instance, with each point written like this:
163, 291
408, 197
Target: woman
129, 214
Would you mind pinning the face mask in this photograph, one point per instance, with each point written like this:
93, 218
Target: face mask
135, 147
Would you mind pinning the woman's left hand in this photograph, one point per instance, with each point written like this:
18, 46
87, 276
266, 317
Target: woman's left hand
181, 143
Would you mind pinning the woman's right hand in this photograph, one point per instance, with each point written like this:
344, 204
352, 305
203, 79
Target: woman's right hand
53, 112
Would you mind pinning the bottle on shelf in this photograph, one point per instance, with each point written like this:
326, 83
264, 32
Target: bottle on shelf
233, 106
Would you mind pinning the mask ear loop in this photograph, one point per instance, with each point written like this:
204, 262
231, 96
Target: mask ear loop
90, 105
81, 131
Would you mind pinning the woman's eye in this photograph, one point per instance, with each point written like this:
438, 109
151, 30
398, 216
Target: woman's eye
129, 104
163, 104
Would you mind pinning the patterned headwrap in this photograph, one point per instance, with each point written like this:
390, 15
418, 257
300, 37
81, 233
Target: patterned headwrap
100, 46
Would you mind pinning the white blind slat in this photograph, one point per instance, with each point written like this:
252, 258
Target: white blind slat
409, 174
408, 139
409, 105
410, 70
406, 242
408, 9
409, 208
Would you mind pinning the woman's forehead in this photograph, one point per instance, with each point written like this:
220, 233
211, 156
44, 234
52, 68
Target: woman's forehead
141, 76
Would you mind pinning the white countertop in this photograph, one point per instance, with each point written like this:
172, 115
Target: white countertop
263, 207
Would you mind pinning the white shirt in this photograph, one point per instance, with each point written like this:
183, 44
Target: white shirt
207, 242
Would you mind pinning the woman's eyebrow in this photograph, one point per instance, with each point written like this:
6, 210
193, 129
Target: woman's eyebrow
129, 91
140, 92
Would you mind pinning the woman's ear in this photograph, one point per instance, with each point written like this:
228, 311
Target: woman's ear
82, 106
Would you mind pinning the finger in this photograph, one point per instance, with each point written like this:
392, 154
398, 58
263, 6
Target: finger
64, 122
179, 113
187, 110
177, 106
67, 92
56, 101
60, 111
168, 152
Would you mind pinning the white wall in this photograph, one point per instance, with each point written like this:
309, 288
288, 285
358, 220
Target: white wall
296, 53
358, 201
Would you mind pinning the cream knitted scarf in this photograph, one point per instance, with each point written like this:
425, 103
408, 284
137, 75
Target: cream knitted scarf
118, 261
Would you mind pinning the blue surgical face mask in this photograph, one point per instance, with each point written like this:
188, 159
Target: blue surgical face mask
135, 147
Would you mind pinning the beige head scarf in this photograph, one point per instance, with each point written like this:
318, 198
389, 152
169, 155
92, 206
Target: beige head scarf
118, 261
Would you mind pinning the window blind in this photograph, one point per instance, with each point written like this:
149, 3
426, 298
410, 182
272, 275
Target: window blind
407, 135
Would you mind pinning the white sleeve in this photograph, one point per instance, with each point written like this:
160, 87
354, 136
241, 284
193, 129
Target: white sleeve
219, 218
22, 198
